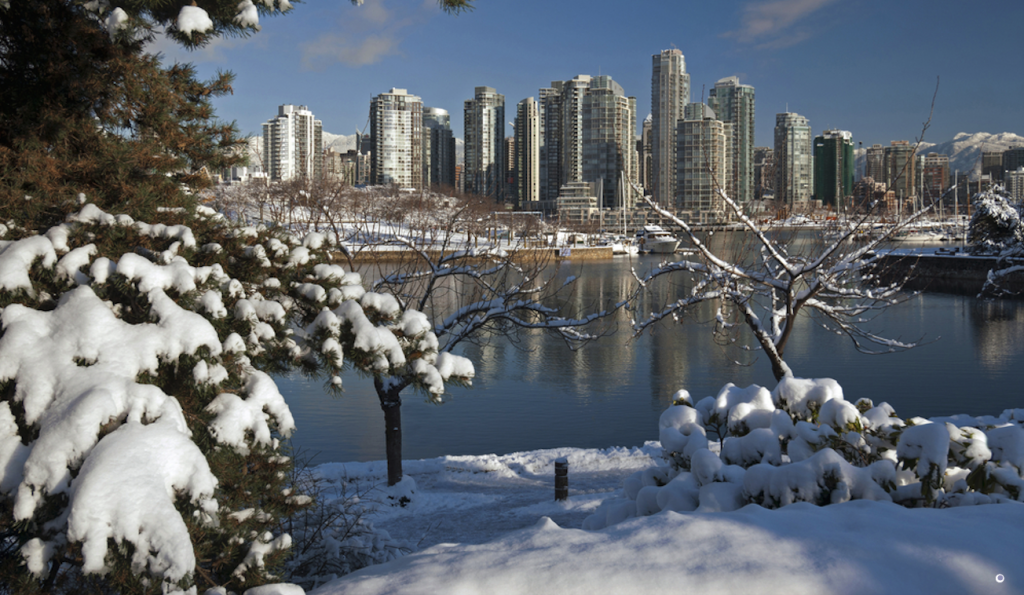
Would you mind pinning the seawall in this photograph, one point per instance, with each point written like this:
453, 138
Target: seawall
948, 271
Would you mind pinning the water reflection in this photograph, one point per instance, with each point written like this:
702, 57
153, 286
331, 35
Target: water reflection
538, 394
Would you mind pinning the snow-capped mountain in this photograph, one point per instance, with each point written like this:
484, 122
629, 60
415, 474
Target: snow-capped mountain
342, 143
339, 142
964, 150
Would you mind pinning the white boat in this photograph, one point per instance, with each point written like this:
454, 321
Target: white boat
654, 239
620, 245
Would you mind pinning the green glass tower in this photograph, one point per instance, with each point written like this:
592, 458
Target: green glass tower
833, 167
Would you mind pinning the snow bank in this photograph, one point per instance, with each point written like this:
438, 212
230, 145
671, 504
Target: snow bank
856, 548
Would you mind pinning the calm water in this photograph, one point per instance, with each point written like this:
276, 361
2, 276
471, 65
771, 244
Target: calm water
540, 395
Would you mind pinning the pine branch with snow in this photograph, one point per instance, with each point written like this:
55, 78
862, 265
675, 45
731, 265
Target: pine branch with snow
137, 409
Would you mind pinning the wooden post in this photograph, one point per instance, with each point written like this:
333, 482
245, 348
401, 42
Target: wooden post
561, 479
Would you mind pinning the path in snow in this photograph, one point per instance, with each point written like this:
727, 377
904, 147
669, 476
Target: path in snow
473, 500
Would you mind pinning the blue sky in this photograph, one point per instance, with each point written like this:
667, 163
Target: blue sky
866, 66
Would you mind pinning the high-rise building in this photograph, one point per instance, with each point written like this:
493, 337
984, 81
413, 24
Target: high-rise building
396, 137
704, 164
645, 147
438, 148
527, 152
992, 165
899, 169
293, 144
1013, 159
670, 92
833, 167
734, 103
549, 106
485, 143
764, 173
608, 148
1014, 183
794, 181
874, 163
573, 93
509, 159
934, 176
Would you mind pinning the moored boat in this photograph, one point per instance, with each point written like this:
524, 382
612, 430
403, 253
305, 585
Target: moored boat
654, 239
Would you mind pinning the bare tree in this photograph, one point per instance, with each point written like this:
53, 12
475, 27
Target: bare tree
767, 284
440, 255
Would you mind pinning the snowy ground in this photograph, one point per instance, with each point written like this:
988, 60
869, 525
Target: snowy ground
489, 524
475, 499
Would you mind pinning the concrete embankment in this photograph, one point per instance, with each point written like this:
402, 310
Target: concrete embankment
948, 272
526, 254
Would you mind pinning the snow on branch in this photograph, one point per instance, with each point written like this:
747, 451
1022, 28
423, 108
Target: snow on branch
124, 375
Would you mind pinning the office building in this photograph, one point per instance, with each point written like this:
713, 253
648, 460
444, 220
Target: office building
992, 165
833, 168
794, 182
934, 176
396, 139
485, 143
1013, 159
670, 93
734, 103
899, 169
874, 163
292, 144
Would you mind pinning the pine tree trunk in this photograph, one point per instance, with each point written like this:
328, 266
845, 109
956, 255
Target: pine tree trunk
391, 404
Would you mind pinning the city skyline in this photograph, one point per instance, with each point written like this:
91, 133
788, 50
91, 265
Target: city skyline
801, 56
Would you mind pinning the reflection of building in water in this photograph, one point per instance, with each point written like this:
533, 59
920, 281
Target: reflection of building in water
996, 325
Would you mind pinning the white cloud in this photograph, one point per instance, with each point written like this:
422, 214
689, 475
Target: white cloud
774, 25
367, 34
348, 50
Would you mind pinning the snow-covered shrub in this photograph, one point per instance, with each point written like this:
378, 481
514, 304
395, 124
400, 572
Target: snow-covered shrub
140, 430
804, 442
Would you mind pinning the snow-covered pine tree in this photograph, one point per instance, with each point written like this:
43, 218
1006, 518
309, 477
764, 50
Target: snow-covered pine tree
997, 228
140, 430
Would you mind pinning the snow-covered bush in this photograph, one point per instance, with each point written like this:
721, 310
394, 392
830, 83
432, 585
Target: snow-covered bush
804, 442
140, 430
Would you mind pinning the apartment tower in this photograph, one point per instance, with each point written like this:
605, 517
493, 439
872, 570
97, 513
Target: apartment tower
670, 93
485, 143
396, 139
704, 166
292, 144
793, 173
527, 153
734, 103
609, 135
